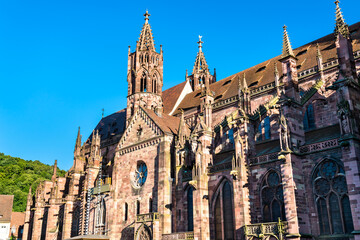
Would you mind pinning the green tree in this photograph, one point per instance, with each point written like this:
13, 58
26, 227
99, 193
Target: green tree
17, 175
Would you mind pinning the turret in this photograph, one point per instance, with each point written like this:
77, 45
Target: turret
289, 67
201, 74
145, 73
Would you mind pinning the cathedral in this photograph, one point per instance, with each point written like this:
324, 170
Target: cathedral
271, 152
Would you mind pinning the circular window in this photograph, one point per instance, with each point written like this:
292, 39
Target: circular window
139, 175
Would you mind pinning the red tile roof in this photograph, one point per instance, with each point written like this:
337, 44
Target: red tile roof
263, 73
167, 123
171, 95
6, 203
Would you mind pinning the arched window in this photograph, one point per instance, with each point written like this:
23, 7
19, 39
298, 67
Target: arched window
75, 222
137, 207
332, 200
154, 83
309, 120
272, 198
224, 212
267, 127
126, 212
101, 213
150, 205
143, 82
264, 131
190, 209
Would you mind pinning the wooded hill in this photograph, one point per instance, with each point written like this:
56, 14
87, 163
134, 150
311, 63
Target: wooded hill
17, 175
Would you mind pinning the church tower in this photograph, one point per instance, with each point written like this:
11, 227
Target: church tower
201, 74
145, 74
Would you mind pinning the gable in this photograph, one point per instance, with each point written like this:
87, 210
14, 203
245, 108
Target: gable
141, 128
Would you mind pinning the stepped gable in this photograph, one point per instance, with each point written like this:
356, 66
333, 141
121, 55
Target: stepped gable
6, 203
167, 123
111, 125
171, 95
263, 73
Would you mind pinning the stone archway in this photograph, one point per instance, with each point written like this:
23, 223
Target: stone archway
143, 233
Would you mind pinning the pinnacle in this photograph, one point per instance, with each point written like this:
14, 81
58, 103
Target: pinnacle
341, 27
200, 61
318, 52
287, 49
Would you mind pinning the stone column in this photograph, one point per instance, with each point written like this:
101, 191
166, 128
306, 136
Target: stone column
164, 192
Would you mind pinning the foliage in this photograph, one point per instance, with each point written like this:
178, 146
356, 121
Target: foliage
17, 175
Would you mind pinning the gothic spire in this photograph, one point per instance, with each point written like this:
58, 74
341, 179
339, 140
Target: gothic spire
78, 140
287, 49
146, 40
341, 27
200, 61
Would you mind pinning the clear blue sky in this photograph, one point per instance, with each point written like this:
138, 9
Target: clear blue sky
61, 62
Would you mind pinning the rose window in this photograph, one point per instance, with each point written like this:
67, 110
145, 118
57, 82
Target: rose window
139, 175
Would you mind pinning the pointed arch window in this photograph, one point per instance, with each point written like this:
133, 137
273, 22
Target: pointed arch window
154, 83
224, 212
272, 198
309, 120
126, 212
332, 200
137, 207
150, 205
143, 82
190, 209
75, 222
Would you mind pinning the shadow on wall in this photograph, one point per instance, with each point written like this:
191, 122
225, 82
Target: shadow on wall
128, 232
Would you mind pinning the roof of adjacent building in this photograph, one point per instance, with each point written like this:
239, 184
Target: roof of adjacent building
17, 219
6, 203
111, 125
263, 73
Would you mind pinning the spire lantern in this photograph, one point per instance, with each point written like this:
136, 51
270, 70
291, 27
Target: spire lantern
200, 43
287, 49
147, 15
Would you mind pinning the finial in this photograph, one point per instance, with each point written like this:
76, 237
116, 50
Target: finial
244, 82
186, 74
341, 27
318, 52
129, 50
287, 49
200, 42
102, 113
147, 15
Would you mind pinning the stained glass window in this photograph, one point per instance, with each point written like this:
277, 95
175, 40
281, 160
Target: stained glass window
224, 213
272, 198
332, 201
140, 174
309, 120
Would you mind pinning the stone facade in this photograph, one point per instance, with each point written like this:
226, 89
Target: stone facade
271, 152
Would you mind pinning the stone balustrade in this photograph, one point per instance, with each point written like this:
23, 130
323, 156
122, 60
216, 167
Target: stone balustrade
178, 236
